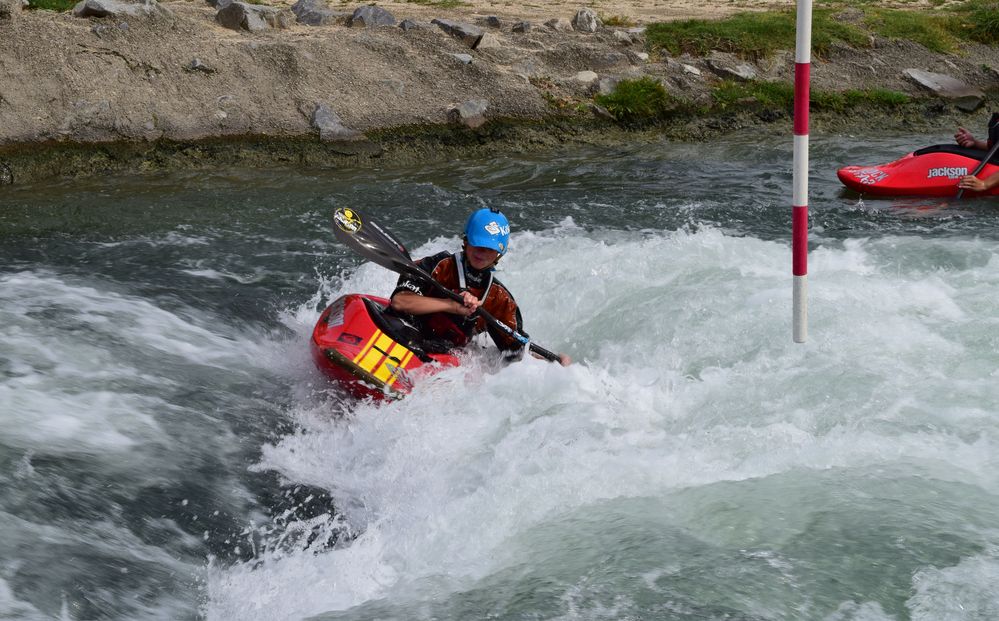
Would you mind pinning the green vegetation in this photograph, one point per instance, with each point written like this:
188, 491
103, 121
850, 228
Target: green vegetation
982, 22
760, 34
934, 31
645, 101
638, 101
780, 95
53, 5
751, 35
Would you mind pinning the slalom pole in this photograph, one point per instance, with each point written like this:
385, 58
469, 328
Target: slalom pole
799, 205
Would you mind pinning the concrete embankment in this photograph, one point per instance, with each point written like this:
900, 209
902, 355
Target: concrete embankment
114, 86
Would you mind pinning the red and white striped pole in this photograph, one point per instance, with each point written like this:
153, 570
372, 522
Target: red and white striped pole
799, 213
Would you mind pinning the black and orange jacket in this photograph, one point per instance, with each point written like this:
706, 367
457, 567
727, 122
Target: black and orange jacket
497, 301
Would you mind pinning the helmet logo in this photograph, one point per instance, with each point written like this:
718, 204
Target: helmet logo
494, 229
347, 220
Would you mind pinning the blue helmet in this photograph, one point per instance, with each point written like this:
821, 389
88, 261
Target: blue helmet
488, 228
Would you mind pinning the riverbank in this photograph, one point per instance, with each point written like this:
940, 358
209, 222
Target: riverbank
175, 88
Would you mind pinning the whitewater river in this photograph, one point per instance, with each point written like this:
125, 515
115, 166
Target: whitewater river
168, 451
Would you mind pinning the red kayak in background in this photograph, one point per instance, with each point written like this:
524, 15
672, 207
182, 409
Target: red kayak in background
361, 348
933, 171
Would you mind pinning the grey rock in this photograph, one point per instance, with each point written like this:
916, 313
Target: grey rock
586, 20
471, 114
522, 27
601, 112
408, 24
963, 96
119, 8
466, 33
340, 138
197, 65
490, 21
586, 77
727, 69
465, 59
561, 24
489, 41
250, 17
370, 16
623, 37
330, 125
317, 13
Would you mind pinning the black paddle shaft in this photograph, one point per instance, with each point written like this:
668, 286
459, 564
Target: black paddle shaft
981, 165
371, 241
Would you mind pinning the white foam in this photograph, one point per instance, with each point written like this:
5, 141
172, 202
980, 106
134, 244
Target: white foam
688, 378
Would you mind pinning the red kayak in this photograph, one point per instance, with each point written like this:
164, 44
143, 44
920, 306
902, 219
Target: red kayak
360, 347
933, 171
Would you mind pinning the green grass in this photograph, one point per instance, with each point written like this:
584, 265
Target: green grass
638, 101
934, 31
780, 95
982, 23
750, 35
53, 5
759, 34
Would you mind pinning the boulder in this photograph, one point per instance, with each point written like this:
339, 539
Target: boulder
522, 27
465, 59
489, 41
316, 13
490, 21
250, 17
119, 8
586, 77
586, 20
370, 16
622, 37
963, 96
725, 67
466, 33
408, 24
471, 114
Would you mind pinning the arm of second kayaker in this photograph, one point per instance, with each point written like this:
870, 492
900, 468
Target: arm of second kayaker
973, 183
416, 304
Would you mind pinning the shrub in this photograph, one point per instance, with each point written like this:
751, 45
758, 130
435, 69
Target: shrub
638, 101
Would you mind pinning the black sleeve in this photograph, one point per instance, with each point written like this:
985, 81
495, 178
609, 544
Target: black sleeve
408, 283
512, 349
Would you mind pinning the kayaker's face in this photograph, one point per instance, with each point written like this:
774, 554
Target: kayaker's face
480, 258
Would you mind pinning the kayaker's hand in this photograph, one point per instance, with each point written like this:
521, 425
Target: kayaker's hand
564, 360
971, 182
964, 138
468, 305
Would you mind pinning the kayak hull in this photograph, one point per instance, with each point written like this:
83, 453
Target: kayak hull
933, 171
359, 349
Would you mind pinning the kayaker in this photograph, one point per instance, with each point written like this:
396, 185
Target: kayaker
966, 139
470, 273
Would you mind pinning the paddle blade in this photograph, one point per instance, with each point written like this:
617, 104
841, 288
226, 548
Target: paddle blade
365, 237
